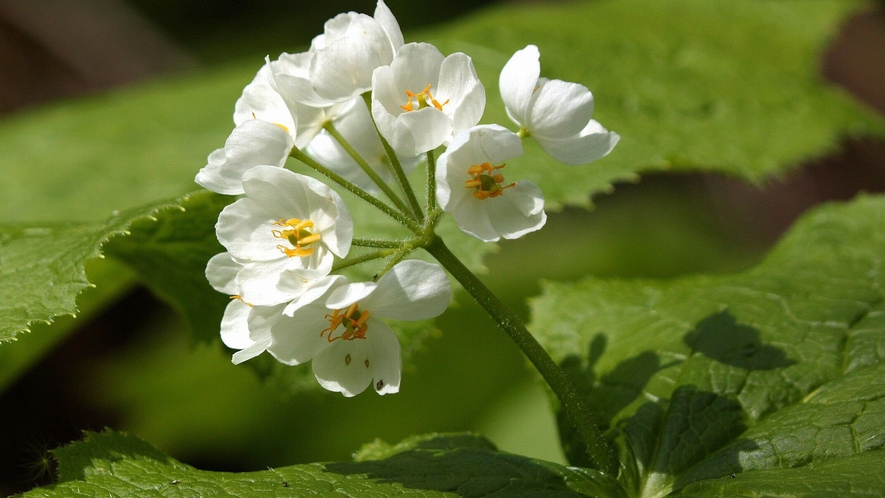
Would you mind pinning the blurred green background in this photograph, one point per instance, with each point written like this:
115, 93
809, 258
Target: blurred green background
129, 365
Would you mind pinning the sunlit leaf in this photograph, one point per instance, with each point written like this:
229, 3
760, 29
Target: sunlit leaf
755, 373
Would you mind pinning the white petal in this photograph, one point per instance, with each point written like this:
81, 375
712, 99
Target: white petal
592, 143
318, 291
343, 68
291, 75
221, 272
385, 357
411, 290
433, 127
460, 86
298, 339
388, 22
348, 294
244, 229
518, 80
260, 100
268, 283
252, 143
560, 109
234, 325
520, 210
345, 366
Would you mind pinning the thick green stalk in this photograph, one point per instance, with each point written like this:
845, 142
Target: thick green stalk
573, 405
329, 127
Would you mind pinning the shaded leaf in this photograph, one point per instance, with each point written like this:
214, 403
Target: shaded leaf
433, 465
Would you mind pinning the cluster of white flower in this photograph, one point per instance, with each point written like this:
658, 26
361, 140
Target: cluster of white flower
364, 108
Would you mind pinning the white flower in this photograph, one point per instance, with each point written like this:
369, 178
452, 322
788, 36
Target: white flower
351, 47
264, 135
285, 234
357, 127
244, 327
291, 79
422, 99
471, 186
350, 346
556, 113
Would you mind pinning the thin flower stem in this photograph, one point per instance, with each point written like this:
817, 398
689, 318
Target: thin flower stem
355, 189
431, 182
395, 164
379, 243
363, 258
576, 411
329, 127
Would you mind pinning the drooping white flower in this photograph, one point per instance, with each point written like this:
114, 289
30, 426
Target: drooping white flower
351, 47
285, 234
556, 113
357, 127
337, 326
422, 99
471, 186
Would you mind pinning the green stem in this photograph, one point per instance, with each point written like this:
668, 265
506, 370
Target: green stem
379, 243
363, 258
394, 162
576, 411
329, 127
355, 189
431, 182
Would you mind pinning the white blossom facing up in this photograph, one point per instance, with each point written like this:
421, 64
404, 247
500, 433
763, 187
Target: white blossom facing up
351, 47
422, 99
554, 112
471, 186
285, 233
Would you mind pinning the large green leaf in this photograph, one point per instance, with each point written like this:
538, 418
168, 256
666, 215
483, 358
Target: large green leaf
42, 266
455, 465
752, 374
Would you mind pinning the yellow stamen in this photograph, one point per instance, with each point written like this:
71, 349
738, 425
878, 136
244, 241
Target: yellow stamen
354, 322
422, 98
485, 181
296, 233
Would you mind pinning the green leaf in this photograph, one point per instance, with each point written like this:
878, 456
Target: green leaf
724, 86
433, 465
42, 266
170, 253
753, 374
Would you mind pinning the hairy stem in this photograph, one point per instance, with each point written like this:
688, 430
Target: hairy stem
329, 127
395, 164
355, 189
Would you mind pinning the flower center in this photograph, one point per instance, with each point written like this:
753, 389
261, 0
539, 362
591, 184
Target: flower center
354, 322
296, 233
485, 181
423, 99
